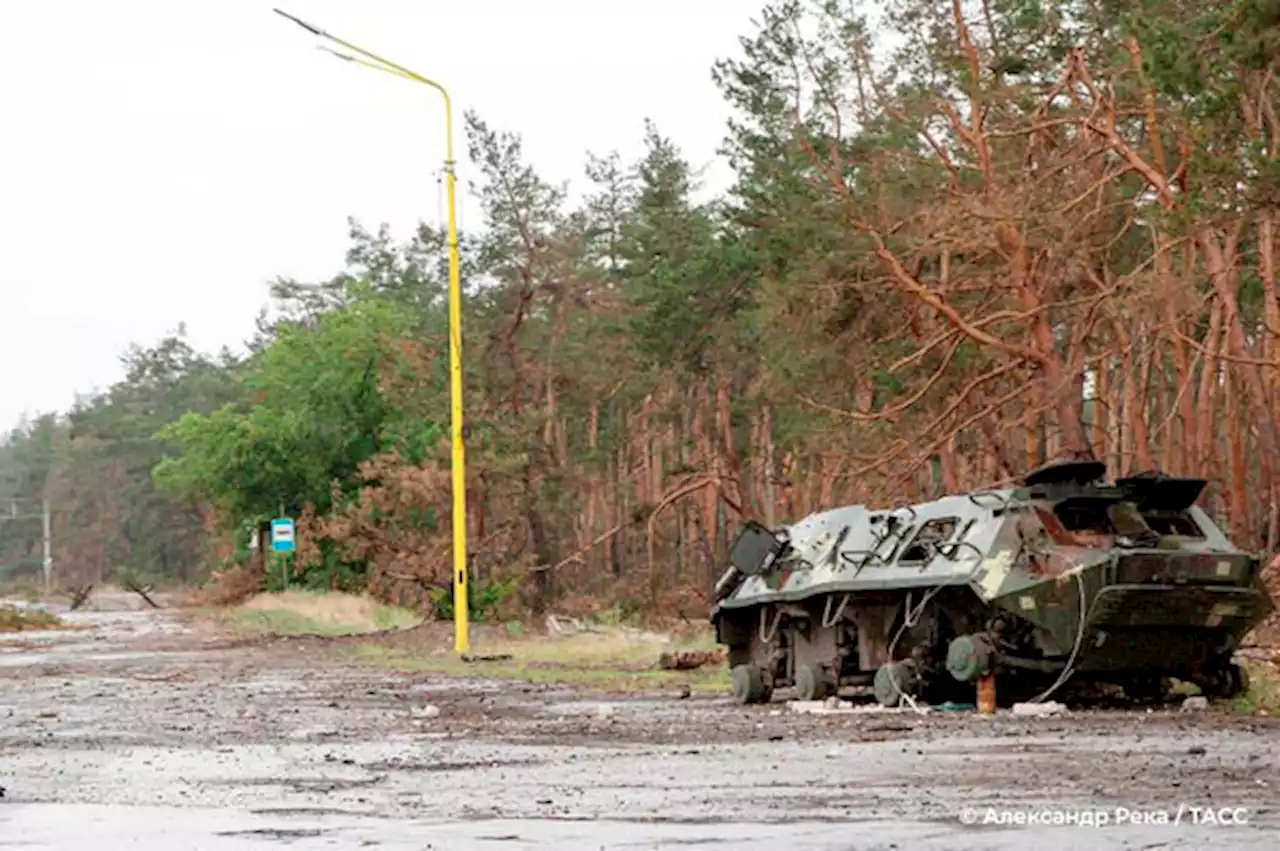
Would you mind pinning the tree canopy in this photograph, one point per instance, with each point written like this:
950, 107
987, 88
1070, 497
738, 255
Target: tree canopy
960, 243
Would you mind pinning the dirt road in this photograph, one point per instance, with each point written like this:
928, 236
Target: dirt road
142, 732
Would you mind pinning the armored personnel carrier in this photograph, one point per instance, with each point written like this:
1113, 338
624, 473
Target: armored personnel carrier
1068, 576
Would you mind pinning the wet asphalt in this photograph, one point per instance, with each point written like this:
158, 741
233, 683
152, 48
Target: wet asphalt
137, 733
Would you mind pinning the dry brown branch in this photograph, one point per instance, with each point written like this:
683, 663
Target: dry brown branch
908, 360
582, 551
1237, 359
1037, 127
968, 391
918, 290
1175, 407
144, 593
1149, 104
889, 413
79, 595
1095, 187
932, 447
977, 108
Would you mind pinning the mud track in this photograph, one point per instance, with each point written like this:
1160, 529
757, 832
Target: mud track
146, 731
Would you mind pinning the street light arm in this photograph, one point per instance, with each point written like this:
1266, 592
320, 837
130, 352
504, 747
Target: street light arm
365, 62
384, 65
306, 26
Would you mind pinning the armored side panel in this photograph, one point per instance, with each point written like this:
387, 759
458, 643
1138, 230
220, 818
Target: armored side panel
852, 549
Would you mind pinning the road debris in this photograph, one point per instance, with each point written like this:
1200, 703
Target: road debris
689, 660
835, 706
1037, 710
563, 625
473, 658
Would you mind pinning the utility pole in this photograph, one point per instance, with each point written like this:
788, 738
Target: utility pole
48, 549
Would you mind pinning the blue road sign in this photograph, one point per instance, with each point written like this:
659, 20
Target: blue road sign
282, 538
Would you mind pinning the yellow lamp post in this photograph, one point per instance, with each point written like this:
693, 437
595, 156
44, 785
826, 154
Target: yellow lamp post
461, 613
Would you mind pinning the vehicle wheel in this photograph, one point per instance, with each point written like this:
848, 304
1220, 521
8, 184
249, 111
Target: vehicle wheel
1147, 688
1227, 682
749, 685
1240, 679
893, 680
811, 683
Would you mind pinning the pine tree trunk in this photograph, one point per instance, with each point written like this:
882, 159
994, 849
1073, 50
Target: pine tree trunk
1102, 411
1271, 298
1115, 421
947, 461
1235, 436
1184, 370
770, 493
1135, 407
1207, 395
592, 524
1225, 281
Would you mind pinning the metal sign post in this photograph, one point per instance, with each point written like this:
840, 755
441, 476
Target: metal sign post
283, 542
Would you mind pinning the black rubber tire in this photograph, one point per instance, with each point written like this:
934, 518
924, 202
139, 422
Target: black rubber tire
1234, 681
749, 686
1226, 682
893, 680
811, 683
1241, 677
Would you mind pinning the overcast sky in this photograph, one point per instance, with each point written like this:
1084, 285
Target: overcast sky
160, 161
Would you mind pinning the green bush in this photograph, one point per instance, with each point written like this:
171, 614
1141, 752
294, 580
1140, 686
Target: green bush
330, 573
484, 599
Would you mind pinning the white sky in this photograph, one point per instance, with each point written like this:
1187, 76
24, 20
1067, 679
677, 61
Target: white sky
160, 161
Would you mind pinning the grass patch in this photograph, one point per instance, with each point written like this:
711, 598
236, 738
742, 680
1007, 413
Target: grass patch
13, 619
608, 660
1262, 698
1263, 695
314, 613
25, 590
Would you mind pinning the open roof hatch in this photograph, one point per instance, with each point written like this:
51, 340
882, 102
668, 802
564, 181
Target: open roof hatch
1066, 473
1156, 491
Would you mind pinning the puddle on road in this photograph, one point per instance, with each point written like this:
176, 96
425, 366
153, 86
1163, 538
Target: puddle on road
650, 707
72, 656
414, 766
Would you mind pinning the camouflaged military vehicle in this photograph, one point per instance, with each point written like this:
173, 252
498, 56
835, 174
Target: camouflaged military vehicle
1067, 577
